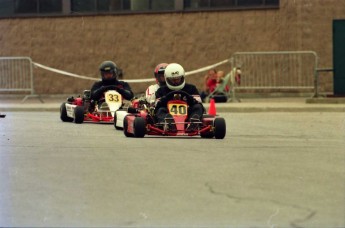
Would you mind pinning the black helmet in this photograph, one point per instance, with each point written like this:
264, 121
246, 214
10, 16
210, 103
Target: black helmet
106, 67
159, 73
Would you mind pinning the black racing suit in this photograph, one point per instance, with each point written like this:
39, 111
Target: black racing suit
195, 107
98, 89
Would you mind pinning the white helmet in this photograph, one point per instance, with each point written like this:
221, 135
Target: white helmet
174, 76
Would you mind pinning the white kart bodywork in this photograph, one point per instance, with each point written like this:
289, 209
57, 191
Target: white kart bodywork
70, 110
120, 116
113, 101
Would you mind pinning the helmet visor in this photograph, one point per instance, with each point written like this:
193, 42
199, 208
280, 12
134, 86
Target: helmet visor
160, 78
108, 74
175, 81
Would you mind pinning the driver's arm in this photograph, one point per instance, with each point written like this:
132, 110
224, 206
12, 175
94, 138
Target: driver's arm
195, 93
197, 98
97, 91
159, 95
126, 91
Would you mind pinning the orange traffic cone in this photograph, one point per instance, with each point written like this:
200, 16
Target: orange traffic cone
212, 108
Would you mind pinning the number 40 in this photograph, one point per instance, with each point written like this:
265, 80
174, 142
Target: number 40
178, 110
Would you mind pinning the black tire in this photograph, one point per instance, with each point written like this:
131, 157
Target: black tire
132, 110
63, 113
219, 128
115, 119
79, 114
207, 135
125, 126
139, 127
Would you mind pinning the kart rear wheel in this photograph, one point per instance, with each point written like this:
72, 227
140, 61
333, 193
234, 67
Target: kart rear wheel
63, 113
139, 127
79, 114
125, 127
219, 128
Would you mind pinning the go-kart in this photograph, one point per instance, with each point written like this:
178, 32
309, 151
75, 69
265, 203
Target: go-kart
136, 106
78, 109
141, 122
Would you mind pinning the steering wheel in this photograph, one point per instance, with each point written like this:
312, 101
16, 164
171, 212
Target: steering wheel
190, 98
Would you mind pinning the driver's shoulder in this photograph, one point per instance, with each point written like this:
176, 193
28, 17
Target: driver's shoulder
189, 86
154, 87
163, 90
97, 85
120, 83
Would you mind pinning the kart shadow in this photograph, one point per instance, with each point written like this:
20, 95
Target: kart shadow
173, 137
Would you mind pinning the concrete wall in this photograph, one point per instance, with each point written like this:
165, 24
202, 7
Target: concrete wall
138, 42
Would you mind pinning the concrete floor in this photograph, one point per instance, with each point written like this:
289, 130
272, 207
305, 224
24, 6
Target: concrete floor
271, 170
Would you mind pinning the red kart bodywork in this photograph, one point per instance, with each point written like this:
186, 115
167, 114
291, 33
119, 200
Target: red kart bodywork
143, 123
96, 115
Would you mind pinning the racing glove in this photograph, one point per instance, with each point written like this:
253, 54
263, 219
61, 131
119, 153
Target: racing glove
97, 94
127, 94
110, 87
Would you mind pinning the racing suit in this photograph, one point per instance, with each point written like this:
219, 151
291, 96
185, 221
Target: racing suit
98, 89
195, 108
150, 93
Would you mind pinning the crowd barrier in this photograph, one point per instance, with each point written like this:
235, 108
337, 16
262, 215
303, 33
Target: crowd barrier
283, 70
16, 75
260, 70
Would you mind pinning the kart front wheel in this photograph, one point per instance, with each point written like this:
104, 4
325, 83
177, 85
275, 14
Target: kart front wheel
139, 127
125, 127
79, 114
63, 113
219, 128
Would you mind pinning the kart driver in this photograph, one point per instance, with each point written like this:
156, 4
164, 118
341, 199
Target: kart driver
175, 80
109, 73
151, 90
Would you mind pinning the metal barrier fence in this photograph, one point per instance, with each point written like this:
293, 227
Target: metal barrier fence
16, 75
284, 70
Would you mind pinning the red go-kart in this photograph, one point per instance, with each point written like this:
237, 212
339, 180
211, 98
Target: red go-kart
141, 122
135, 106
77, 109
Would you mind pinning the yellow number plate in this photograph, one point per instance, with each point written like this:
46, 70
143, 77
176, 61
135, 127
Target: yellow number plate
177, 109
113, 97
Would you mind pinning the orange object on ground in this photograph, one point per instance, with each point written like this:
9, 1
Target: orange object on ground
212, 108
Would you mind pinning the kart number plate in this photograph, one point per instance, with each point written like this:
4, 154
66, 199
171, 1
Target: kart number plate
113, 97
177, 109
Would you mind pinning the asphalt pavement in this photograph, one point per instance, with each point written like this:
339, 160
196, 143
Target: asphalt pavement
273, 169
11, 103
